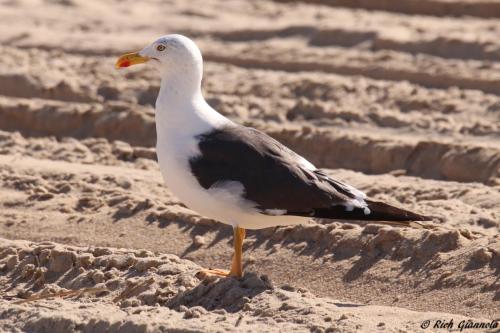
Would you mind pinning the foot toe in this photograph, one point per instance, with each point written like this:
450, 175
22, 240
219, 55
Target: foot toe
205, 273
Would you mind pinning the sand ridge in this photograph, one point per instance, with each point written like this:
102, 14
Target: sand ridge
140, 291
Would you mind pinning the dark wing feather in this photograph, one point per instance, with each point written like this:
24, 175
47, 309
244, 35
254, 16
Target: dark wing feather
274, 177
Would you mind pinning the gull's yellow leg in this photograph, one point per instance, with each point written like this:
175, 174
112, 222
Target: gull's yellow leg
237, 262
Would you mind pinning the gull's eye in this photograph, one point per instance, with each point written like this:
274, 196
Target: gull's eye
160, 47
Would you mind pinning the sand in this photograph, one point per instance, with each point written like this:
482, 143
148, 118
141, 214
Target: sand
400, 102
139, 291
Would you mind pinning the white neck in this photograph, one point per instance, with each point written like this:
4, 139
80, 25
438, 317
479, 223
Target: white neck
180, 106
182, 80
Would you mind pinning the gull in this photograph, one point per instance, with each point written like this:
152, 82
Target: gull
235, 174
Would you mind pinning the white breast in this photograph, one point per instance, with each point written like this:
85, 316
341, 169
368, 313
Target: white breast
173, 157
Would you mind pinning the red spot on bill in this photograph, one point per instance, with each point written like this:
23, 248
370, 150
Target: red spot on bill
125, 63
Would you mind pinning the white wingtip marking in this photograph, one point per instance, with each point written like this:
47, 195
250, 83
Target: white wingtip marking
349, 207
357, 203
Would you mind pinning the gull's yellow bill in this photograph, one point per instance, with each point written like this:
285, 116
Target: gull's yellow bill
130, 59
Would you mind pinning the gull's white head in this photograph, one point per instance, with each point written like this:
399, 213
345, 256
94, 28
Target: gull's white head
175, 56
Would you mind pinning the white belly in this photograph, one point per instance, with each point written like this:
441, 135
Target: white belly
224, 205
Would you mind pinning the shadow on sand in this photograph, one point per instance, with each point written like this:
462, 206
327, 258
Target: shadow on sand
229, 294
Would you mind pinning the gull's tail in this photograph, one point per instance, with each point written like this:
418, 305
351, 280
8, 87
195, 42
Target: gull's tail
378, 211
